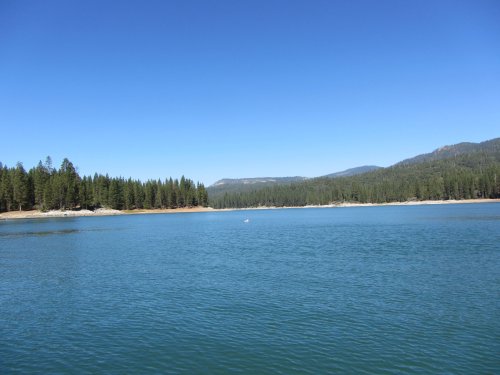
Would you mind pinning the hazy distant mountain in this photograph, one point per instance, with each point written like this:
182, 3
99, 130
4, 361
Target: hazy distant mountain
239, 185
257, 180
353, 171
458, 149
233, 185
225, 182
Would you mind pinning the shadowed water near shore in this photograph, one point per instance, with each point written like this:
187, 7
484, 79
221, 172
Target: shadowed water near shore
300, 291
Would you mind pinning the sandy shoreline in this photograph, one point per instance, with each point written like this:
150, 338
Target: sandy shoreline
35, 214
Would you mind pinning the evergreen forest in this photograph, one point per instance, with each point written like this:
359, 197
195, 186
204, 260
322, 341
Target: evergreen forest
45, 188
463, 171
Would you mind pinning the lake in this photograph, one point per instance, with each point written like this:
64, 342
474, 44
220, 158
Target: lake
395, 289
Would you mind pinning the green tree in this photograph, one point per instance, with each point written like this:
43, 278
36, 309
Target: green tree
202, 195
86, 193
115, 199
69, 184
6, 191
149, 195
20, 187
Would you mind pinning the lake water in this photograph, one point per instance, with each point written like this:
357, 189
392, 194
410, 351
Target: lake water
299, 291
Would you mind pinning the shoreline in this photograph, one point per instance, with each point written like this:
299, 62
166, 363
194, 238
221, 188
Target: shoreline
35, 214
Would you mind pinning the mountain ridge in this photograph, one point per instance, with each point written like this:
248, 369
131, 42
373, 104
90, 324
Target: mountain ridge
256, 180
263, 180
353, 171
448, 151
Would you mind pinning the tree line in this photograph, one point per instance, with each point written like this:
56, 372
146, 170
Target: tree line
471, 176
45, 188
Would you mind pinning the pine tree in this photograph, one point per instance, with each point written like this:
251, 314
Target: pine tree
69, 184
202, 195
128, 195
6, 190
158, 195
86, 193
148, 195
115, 199
138, 195
20, 187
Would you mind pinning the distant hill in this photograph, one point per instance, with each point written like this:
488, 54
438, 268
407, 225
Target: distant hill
458, 149
257, 181
353, 171
461, 171
287, 180
239, 185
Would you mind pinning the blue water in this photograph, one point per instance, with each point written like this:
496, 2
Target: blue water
298, 291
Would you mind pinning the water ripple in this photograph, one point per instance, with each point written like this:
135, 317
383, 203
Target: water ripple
297, 292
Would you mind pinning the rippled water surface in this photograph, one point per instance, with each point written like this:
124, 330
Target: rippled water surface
298, 291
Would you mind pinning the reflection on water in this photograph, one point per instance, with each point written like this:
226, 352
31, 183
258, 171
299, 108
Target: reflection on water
22, 234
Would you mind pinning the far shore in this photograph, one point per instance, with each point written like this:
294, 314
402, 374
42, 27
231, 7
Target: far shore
36, 214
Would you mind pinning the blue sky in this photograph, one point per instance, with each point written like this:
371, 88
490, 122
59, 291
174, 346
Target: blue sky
214, 89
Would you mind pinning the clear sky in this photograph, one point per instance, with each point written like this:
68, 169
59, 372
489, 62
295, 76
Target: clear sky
214, 89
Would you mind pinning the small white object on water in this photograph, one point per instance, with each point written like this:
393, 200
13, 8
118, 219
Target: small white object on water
246, 220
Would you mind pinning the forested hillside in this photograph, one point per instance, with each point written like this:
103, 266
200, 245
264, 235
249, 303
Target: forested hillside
467, 175
45, 187
353, 171
463, 148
